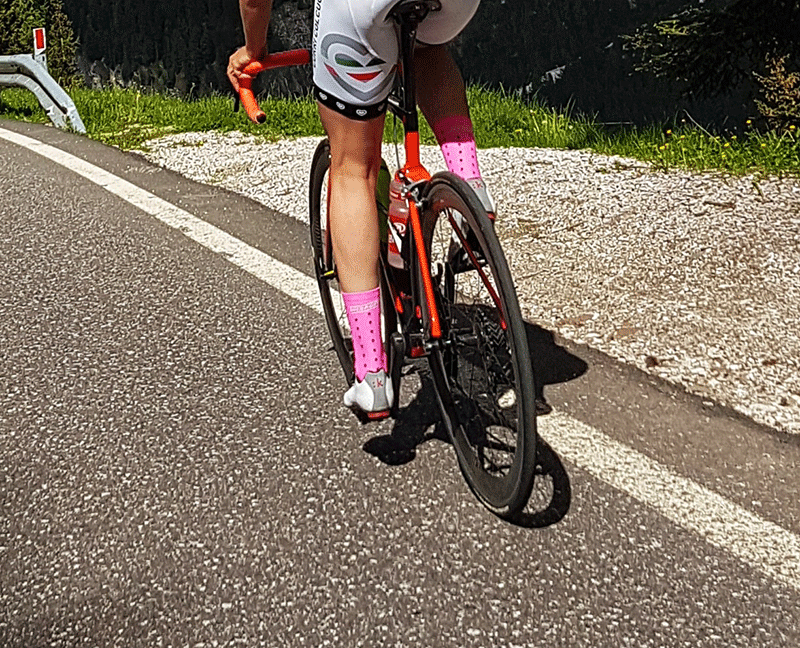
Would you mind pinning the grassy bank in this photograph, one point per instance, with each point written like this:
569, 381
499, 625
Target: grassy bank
127, 118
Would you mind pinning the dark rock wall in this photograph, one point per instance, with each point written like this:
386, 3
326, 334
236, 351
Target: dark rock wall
566, 52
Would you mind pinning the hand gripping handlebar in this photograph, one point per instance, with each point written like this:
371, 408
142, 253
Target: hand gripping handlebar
272, 61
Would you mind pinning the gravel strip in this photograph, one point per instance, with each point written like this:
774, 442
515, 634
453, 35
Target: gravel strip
692, 277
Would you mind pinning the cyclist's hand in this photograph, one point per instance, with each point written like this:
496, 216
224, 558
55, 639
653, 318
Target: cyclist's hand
237, 62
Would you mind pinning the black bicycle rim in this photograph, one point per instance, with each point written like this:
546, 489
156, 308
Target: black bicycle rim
482, 368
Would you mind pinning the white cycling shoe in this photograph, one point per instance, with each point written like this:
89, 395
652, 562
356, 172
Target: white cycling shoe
374, 395
482, 191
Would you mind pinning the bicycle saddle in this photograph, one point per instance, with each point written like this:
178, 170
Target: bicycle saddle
414, 10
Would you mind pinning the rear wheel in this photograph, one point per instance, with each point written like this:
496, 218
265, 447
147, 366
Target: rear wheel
481, 367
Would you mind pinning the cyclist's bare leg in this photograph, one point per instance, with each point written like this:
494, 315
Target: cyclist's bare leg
442, 98
440, 87
355, 162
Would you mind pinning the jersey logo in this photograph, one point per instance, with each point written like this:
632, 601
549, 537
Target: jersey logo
352, 66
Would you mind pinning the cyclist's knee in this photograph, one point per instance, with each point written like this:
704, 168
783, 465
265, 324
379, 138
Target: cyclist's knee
355, 145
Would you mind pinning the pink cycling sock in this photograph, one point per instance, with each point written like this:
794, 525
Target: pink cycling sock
364, 315
457, 139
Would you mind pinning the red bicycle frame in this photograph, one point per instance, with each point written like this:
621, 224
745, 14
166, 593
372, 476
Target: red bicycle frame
412, 170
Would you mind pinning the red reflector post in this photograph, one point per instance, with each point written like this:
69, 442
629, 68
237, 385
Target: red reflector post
39, 41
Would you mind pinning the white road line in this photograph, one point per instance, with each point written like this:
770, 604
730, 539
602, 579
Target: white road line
757, 542
278, 275
764, 545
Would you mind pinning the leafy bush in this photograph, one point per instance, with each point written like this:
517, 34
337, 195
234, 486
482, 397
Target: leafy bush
20, 17
781, 92
709, 50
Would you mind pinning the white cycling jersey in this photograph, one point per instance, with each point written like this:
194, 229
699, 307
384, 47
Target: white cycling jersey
354, 50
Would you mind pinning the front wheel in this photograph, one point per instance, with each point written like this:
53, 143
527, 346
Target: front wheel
481, 367
324, 264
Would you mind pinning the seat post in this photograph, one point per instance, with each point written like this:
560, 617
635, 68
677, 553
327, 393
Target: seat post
408, 14
408, 40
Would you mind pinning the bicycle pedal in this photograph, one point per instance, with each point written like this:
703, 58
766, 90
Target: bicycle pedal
417, 349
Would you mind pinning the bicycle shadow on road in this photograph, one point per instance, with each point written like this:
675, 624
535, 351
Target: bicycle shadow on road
419, 421
552, 364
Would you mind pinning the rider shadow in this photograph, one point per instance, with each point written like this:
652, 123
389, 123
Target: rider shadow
419, 421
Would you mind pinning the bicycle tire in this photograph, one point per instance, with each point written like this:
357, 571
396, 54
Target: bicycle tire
482, 368
325, 268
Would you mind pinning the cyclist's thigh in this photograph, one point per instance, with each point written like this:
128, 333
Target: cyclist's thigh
355, 145
442, 26
354, 54
355, 51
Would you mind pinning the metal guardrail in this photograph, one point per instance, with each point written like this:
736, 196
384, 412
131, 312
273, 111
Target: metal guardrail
22, 70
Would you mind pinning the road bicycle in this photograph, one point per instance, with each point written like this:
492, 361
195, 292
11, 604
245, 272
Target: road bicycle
452, 301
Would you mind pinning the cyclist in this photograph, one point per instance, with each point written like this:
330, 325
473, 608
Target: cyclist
354, 56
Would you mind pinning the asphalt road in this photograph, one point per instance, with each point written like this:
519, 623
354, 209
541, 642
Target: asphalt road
176, 468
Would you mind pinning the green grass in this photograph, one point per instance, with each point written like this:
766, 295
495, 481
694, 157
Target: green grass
502, 120
127, 118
